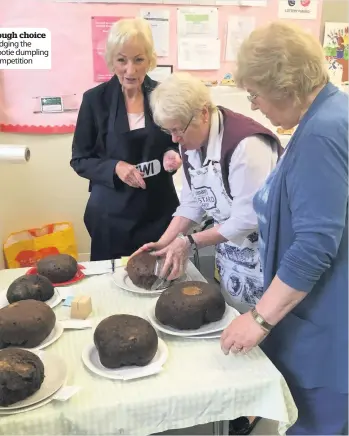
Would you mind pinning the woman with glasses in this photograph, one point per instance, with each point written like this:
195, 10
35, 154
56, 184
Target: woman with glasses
226, 159
120, 150
303, 224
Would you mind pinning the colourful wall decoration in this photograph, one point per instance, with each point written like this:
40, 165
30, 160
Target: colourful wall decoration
336, 50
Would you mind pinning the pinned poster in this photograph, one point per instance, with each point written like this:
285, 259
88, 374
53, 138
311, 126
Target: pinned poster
159, 21
100, 30
238, 29
197, 22
298, 9
199, 54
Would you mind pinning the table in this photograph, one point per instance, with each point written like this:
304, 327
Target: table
198, 385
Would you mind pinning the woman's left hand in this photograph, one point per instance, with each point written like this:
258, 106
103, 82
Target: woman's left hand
242, 335
176, 256
172, 161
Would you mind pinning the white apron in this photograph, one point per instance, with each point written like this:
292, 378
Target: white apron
238, 265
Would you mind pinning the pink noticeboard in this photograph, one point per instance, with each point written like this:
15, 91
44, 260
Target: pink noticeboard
100, 28
73, 57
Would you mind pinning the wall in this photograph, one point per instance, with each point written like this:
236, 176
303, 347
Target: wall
46, 189
335, 11
72, 70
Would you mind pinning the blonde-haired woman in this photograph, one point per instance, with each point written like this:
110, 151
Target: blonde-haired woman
303, 222
119, 149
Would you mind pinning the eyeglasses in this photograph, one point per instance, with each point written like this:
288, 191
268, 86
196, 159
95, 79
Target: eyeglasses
178, 132
252, 97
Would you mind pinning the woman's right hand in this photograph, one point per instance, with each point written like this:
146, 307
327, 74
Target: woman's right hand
150, 246
129, 175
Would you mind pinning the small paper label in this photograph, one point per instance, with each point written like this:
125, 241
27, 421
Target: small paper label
77, 324
68, 301
66, 392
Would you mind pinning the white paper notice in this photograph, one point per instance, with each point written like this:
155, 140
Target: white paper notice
197, 22
238, 28
298, 9
203, 54
159, 21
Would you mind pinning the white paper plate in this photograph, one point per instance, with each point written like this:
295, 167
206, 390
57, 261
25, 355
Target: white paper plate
208, 336
206, 329
55, 299
122, 280
55, 376
91, 360
55, 334
26, 409
52, 302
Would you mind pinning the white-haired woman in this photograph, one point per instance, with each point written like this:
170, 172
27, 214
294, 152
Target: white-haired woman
303, 223
119, 149
226, 159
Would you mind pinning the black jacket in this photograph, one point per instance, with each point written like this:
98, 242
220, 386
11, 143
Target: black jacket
90, 157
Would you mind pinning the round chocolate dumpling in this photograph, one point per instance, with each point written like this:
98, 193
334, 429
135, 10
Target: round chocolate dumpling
58, 268
125, 340
30, 287
25, 324
140, 269
190, 305
21, 375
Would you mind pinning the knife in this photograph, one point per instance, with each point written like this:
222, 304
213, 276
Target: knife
160, 282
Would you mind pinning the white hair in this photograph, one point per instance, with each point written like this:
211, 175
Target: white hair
178, 98
126, 29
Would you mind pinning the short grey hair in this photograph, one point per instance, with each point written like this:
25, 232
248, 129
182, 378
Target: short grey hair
125, 29
178, 98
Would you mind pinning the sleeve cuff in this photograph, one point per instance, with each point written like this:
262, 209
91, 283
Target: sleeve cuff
189, 213
236, 237
294, 280
115, 182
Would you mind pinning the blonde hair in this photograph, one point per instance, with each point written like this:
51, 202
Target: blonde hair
281, 60
126, 29
178, 98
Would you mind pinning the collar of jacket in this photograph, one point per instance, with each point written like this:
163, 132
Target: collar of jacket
148, 84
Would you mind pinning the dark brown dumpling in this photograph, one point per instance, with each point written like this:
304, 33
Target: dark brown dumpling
190, 305
30, 287
58, 268
125, 340
21, 375
25, 324
140, 269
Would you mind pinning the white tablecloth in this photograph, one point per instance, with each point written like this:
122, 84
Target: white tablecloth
199, 384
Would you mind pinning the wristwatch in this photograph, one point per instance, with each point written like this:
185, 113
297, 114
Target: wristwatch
261, 321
